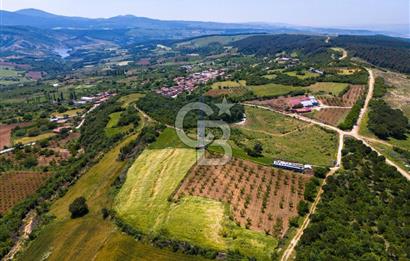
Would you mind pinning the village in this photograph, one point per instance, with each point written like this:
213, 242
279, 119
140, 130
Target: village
190, 83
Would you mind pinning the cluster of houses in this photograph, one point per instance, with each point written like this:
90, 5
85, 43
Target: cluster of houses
97, 99
303, 104
297, 167
289, 61
189, 83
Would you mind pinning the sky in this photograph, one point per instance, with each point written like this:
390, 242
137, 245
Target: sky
296, 12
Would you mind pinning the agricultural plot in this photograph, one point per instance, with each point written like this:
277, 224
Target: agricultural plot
306, 143
112, 127
331, 116
143, 202
262, 121
5, 133
27, 140
9, 75
331, 88
260, 198
303, 75
270, 90
129, 99
229, 88
69, 113
16, 186
354, 93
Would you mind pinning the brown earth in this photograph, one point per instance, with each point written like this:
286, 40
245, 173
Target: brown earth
5, 133
261, 198
349, 99
331, 116
16, 186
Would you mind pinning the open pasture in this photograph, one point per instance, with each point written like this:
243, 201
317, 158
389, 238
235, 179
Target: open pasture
270, 90
331, 88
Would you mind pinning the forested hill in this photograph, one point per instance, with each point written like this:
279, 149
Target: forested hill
273, 44
383, 51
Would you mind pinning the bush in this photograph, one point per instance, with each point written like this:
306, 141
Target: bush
78, 208
303, 208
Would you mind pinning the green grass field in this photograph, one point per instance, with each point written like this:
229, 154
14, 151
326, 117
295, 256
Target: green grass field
112, 127
26, 140
328, 87
8, 73
269, 122
143, 203
91, 237
283, 138
272, 89
168, 139
70, 113
128, 99
228, 84
306, 75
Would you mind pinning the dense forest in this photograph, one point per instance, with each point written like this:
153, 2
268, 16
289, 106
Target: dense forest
364, 213
386, 122
273, 44
383, 51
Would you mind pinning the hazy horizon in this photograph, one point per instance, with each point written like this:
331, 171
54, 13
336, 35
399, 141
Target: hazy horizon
349, 13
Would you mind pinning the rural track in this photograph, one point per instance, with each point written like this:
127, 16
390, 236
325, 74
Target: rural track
295, 240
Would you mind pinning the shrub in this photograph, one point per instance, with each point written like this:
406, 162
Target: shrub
78, 208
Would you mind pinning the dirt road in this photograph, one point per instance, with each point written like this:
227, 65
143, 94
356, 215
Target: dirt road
355, 131
292, 245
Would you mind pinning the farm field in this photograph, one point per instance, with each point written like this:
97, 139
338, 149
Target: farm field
128, 99
307, 144
272, 89
228, 84
348, 71
347, 100
11, 76
5, 133
331, 116
263, 120
143, 203
112, 127
261, 198
230, 88
328, 88
304, 75
83, 239
70, 113
27, 140
16, 186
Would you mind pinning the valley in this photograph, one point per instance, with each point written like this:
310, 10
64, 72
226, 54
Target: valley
94, 164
